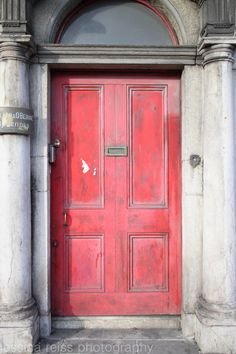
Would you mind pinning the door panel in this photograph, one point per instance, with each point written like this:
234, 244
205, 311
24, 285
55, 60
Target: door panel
148, 252
147, 146
116, 219
87, 274
84, 134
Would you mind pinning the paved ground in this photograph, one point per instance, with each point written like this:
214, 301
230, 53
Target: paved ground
91, 341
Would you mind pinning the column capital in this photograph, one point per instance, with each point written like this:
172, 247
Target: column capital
216, 313
14, 16
15, 26
217, 52
217, 17
16, 51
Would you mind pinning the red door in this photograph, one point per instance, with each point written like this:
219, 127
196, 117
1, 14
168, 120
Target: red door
116, 195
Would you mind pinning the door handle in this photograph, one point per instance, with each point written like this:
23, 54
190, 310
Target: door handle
65, 224
52, 150
55, 243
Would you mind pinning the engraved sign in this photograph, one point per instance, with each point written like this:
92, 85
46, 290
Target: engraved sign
16, 121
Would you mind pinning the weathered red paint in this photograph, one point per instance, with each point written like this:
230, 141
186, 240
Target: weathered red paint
120, 253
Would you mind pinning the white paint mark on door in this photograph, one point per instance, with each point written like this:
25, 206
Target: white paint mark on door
95, 172
85, 167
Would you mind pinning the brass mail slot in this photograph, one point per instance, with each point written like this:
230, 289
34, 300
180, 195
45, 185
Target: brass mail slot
116, 151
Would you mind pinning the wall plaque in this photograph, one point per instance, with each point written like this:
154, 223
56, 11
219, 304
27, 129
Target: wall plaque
16, 121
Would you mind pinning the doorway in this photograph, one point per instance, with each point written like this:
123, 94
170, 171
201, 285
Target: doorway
116, 194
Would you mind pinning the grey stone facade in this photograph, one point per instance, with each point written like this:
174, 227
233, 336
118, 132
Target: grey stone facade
206, 34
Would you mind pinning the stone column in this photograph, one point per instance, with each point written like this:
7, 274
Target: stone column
216, 312
18, 313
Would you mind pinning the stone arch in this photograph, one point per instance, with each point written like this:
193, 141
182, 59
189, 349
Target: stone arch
182, 16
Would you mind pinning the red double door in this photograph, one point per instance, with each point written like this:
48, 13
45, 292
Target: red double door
115, 190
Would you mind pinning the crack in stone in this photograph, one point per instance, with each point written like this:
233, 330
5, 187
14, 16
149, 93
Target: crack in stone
11, 265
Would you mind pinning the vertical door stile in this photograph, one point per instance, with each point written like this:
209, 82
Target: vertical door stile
110, 185
121, 190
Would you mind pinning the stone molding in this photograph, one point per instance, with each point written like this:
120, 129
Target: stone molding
217, 52
16, 51
100, 55
18, 313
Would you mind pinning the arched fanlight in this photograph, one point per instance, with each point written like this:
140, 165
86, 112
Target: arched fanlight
117, 22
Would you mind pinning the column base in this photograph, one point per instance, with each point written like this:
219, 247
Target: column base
215, 328
19, 330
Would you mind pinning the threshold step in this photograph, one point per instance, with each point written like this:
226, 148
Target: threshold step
116, 322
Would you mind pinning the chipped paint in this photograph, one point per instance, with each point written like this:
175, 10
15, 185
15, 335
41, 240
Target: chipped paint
95, 171
85, 166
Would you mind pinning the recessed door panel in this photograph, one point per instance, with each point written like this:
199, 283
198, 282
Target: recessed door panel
84, 112
148, 146
84, 263
116, 195
148, 252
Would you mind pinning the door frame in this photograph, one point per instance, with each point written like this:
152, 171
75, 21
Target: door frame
191, 179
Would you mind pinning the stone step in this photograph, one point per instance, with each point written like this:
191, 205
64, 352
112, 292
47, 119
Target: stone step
117, 322
142, 341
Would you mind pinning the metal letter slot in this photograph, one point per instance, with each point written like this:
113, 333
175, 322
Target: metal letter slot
116, 151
